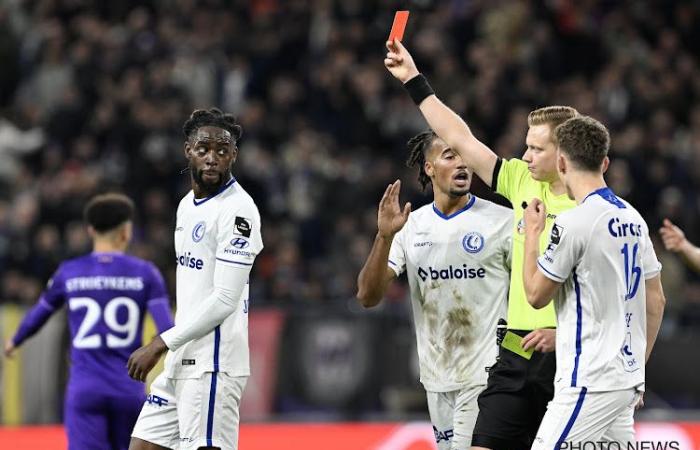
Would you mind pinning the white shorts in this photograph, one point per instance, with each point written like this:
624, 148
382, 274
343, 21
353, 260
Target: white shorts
575, 416
191, 413
453, 415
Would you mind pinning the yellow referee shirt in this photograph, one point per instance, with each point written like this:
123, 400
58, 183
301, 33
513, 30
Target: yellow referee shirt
515, 182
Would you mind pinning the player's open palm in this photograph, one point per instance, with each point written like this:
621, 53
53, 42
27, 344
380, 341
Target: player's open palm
672, 236
391, 217
399, 62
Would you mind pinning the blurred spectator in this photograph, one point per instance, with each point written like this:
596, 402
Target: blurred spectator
93, 95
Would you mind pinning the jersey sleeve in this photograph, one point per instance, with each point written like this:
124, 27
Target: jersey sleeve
156, 285
157, 300
54, 296
511, 176
650, 263
238, 238
397, 252
50, 301
564, 250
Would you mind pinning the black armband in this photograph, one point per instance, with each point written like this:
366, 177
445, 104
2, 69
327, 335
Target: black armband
418, 88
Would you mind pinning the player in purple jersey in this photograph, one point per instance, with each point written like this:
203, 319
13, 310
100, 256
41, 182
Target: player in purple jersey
107, 294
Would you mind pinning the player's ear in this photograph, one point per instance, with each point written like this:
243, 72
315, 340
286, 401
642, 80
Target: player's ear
234, 153
605, 164
188, 149
91, 232
127, 231
428, 168
561, 163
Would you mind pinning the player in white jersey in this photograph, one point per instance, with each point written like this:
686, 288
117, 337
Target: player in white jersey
456, 253
601, 266
194, 403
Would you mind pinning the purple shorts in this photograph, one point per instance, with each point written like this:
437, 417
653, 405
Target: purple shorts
96, 421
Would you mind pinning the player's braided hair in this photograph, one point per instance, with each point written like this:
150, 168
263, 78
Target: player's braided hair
417, 147
212, 117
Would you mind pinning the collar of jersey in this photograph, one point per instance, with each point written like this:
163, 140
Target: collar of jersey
223, 188
608, 195
469, 204
112, 253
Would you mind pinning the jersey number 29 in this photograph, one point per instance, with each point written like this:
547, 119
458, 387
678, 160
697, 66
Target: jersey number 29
93, 312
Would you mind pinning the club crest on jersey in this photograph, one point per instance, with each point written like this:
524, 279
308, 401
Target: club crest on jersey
473, 242
242, 226
198, 231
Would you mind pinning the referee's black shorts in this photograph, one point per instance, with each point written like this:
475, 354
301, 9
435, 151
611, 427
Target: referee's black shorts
515, 400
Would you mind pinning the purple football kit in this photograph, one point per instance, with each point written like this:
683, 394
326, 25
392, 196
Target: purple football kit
107, 295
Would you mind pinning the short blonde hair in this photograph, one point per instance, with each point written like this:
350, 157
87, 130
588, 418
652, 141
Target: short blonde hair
551, 115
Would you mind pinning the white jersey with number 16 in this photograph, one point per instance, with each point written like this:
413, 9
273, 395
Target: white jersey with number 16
602, 254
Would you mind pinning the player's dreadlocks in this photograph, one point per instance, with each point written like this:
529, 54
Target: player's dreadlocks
417, 147
212, 117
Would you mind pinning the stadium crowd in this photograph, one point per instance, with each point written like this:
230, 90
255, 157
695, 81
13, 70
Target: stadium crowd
93, 96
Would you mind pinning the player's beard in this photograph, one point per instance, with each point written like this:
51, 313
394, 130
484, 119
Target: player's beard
208, 188
459, 192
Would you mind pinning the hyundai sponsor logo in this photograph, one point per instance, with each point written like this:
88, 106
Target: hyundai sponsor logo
239, 243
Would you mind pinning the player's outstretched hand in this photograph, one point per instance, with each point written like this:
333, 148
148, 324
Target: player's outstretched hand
390, 217
145, 358
672, 236
399, 62
10, 349
542, 340
534, 216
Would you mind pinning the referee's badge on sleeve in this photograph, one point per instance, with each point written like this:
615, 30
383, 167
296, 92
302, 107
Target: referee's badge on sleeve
242, 226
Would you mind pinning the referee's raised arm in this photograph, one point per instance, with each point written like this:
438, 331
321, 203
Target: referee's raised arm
445, 122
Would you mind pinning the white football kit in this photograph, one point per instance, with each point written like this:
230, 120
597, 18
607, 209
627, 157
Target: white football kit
601, 252
458, 270
195, 401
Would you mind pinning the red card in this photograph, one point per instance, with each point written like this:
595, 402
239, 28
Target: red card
399, 25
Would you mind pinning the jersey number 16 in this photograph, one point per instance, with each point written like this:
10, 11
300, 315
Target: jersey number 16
633, 273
